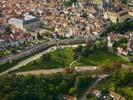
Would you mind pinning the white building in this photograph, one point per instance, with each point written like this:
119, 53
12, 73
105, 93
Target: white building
28, 23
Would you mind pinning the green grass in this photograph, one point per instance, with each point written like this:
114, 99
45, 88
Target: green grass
102, 57
55, 62
64, 57
8, 65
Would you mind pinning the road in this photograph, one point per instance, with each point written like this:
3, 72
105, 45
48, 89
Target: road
34, 57
38, 72
101, 77
41, 47
54, 71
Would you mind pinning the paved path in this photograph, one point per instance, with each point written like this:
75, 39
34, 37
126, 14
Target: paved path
54, 71
72, 63
101, 77
38, 72
34, 57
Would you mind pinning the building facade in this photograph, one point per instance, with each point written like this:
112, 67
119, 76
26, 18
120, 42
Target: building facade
26, 24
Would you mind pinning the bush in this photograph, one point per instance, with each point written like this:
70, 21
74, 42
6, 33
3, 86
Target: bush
46, 57
13, 50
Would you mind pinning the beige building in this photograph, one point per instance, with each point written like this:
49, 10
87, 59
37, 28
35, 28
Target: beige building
121, 16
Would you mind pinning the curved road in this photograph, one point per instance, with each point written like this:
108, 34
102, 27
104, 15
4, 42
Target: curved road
101, 77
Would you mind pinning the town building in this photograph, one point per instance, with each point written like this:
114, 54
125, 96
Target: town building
12, 40
100, 4
120, 16
28, 23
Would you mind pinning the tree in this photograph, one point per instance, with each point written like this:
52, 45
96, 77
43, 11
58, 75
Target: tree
101, 43
73, 91
34, 62
64, 86
13, 96
73, 1
113, 87
49, 97
13, 50
30, 87
76, 55
80, 59
8, 30
117, 20
58, 77
123, 40
85, 52
84, 14
42, 96
52, 89
2, 54
78, 49
39, 36
46, 57
121, 43
91, 97
69, 3
82, 82
117, 27
57, 90
127, 25
120, 77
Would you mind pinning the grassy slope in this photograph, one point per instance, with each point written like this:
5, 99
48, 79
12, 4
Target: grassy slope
6, 66
55, 62
99, 57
